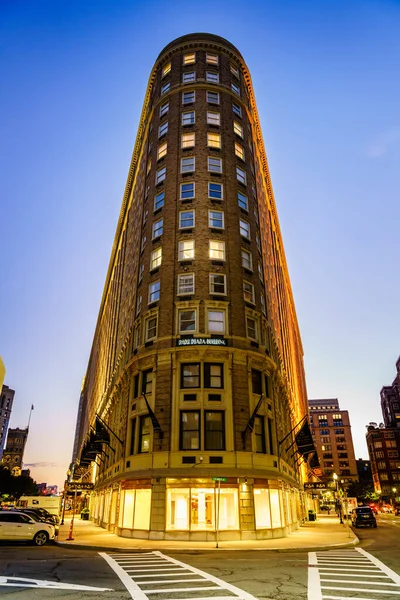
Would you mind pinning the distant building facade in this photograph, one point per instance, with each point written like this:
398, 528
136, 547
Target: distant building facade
390, 401
364, 471
14, 452
331, 431
6, 403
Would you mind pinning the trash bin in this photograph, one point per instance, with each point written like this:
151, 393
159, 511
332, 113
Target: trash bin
311, 515
85, 515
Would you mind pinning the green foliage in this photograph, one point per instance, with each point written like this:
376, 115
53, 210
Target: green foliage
362, 491
12, 488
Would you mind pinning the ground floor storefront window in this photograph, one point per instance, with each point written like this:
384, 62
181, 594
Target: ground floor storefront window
196, 509
134, 512
268, 508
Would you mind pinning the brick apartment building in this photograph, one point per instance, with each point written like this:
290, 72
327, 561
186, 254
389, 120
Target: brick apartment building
6, 403
196, 369
331, 431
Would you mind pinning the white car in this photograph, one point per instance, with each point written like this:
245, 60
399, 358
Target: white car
16, 526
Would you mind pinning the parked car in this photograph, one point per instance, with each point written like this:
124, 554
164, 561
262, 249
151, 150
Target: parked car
17, 526
37, 515
363, 515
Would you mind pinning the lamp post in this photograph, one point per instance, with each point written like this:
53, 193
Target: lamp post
339, 504
394, 490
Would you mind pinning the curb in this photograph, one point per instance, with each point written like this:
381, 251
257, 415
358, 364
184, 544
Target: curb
354, 542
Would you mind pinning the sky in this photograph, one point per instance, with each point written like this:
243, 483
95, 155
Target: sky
327, 86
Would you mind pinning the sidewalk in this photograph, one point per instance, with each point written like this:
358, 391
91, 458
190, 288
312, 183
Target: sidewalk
322, 534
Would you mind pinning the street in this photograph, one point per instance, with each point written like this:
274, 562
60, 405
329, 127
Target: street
214, 574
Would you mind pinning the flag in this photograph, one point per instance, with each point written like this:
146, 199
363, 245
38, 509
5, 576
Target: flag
32, 407
304, 440
154, 420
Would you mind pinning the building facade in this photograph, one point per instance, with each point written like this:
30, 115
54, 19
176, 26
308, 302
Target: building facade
14, 451
390, 401
6, 403
196, 370
331, 431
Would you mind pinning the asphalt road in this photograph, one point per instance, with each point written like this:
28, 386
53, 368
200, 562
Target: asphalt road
263, 575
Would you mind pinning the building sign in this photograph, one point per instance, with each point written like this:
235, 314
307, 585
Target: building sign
76, 486
219, 478
315, 485
201, 342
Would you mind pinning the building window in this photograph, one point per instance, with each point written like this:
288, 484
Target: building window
252, 328
214, 164
158, 227
189, 58
238, 129
263, 304
163, 129
151, 328
243, 201
190, 430
186, 250
188, 164
214, 140
215, 191
187, 140
187, 321
236, 109
186, 219
164, 108
239, 151
212, 97
235, 88
141, 272
154, 291
213, 118
259, 435
241, 175
248, 292
155, 258
216, 321
216, 219
217, 284
214, 430
212, 59
161, 150
256, 381
161, 175
244, 229
188, 118
189, 77
190, 375
185, 284
188, 97
138, 304
159, 200
216, 250
235, 71
144, 435
213, 375
166, 69
260, 272
147, 382
187, 191
165, 88
212, 77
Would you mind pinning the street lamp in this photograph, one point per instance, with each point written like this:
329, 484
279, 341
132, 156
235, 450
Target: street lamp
335, 477
394, 490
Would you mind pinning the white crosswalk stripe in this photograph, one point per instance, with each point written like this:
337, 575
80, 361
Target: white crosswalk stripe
352, 574
156, 576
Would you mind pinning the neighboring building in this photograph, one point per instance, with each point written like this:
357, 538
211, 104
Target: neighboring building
332, 437
196, 369
364, 471
383, 449
14, 451
390, 401
6, 403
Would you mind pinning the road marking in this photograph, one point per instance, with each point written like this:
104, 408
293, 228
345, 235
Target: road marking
26, 582
324, 568
141, 576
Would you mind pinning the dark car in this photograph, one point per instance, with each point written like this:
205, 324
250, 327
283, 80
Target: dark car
363, 515
37, 515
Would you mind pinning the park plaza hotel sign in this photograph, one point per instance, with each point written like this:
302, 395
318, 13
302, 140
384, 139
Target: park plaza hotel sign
212, 341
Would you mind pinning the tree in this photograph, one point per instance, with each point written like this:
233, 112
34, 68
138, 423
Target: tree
12, 488
363, 491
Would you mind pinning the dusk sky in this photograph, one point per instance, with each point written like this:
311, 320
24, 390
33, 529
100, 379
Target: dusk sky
327, 85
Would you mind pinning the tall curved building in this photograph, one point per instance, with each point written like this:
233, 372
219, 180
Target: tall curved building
196, 371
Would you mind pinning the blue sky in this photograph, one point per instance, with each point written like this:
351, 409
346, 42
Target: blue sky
74, 75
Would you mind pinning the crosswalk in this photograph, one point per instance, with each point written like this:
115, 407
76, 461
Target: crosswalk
155, 576
350, 574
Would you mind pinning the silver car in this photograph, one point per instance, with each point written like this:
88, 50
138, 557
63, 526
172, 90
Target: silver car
16, 526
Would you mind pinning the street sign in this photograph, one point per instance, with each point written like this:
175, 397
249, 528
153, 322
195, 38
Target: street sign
76, 486
219, 478
315, 485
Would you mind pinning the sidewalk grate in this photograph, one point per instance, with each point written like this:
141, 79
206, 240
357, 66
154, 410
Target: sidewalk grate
156, 576
354, 573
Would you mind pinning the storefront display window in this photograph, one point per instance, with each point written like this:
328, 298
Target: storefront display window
195, 509
142, 509
267, 505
